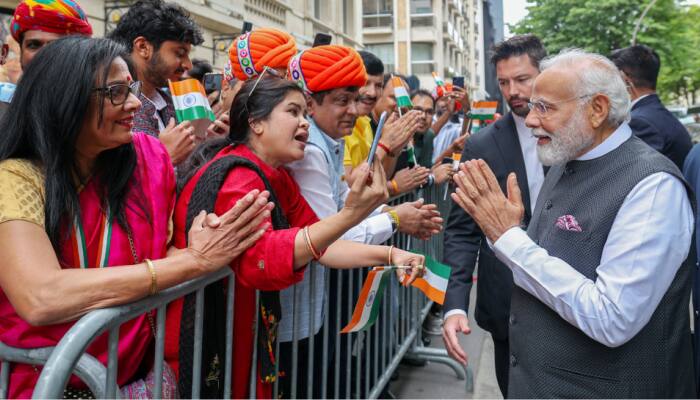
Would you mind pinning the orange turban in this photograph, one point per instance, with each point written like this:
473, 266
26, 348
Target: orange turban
327, 67
252, 51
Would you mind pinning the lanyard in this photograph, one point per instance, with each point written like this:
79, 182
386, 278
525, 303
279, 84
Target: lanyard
80, 252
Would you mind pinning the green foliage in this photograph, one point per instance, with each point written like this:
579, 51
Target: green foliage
670, 27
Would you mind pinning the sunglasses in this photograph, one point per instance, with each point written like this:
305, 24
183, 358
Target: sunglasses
119, 92
265, 70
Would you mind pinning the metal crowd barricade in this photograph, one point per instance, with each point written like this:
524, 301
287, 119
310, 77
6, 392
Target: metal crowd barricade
356, 365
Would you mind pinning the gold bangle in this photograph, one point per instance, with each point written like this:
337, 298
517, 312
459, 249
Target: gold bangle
391, 249
154, 278
395, 216
309, 245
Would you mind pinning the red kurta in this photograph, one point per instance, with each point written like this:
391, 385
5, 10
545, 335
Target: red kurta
267, 265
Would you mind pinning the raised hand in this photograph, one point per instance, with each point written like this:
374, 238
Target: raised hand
419, 219
479, 195
217, 240
365, 197
402, 257
179, 140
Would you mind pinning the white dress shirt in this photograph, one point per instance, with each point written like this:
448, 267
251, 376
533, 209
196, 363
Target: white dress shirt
533, 165
648, 241
533, 169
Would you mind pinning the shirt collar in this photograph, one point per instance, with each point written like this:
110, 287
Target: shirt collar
333, 144
639, 98
523, 131
619, 136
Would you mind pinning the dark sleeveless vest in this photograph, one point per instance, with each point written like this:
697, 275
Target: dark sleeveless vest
550, 358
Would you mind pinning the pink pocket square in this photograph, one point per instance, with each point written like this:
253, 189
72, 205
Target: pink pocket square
568, 223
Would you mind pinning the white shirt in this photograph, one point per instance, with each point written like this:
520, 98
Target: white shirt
159, 102
311, 173
533, 165
533, 169
647, 243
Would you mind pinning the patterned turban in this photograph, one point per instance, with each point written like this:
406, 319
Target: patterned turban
253, 51
327, 67
64, 17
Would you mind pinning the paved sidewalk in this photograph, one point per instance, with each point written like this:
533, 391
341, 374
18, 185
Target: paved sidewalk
439, 381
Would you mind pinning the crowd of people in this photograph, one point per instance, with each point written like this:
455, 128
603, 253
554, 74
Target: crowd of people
585, 263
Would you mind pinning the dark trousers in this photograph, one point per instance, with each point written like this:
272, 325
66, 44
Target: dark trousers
502, 356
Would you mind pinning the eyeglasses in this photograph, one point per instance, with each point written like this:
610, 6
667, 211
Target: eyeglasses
542, 107
119, 92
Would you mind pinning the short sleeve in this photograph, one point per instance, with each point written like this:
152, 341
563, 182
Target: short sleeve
21, 192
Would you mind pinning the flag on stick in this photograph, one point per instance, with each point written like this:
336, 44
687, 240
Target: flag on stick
402, 98
484, 110
369, 303
438, 81
434, 283
191, 104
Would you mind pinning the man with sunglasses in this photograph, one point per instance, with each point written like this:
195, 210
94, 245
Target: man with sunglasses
160, 36
507, 146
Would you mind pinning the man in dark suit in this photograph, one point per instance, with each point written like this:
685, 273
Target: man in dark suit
650, 120
507, 146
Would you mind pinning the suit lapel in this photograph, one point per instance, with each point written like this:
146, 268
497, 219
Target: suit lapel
508, 143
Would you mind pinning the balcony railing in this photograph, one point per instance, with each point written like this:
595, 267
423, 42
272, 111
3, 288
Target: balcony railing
420, 20
377, 21
422, 67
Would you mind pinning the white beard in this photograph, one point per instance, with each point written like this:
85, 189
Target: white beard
565, 144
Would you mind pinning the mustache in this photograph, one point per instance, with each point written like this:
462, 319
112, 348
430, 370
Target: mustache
539, 132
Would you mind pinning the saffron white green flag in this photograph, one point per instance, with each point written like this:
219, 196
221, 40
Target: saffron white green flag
434, 283
484, 110
191, 104
369, 303
401, 94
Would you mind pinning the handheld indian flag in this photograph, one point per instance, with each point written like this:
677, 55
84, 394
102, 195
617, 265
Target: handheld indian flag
369, 303
484, 110
438, 80
434, 283
401, 94
191, 104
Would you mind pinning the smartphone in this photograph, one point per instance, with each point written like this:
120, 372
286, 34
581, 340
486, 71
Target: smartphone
458, 81
377, 136
247, 27
212, 82
321, 39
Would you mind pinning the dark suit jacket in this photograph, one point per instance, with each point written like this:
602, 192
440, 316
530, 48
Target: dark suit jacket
655, 125
499, 146
691, 171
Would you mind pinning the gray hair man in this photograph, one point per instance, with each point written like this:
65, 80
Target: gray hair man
602, 281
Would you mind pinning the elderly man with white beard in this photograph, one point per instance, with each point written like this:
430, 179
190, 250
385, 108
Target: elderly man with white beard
602, 278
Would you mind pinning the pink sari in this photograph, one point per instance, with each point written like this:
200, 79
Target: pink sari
150, 225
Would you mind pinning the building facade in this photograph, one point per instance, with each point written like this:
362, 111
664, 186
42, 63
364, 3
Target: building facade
222, 20
418, 37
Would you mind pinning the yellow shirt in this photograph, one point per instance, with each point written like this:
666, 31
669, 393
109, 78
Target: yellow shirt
21, 192
358, 144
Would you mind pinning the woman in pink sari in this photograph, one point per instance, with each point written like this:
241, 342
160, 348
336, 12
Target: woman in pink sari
85, 210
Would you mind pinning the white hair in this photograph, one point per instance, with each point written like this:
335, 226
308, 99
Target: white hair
596, 74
